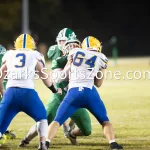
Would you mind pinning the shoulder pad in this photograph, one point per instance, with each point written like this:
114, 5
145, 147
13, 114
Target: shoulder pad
104, 58
53, 47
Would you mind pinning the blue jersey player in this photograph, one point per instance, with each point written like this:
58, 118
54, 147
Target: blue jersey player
19, 65
85, 66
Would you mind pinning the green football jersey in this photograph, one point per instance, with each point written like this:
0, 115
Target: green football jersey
1, 56
58, 61
4, 81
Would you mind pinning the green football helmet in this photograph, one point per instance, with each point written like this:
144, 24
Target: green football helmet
2, 50
63, 35
70, 44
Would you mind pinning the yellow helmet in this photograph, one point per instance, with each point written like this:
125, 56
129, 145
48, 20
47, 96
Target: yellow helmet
92, 42
25, 41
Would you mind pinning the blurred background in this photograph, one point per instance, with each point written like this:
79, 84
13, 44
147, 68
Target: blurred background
123, 28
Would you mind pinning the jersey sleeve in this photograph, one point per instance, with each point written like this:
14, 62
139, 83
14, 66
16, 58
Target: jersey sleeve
54, 64
104, 61
59, 62
40, 58
51, 52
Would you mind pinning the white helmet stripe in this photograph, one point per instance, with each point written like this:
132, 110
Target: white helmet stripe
64, 35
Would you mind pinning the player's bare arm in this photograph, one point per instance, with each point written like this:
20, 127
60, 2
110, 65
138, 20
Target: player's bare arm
46, 79
98, 80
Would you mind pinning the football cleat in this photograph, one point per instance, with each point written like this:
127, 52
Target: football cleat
3, 139
115, 146
47, 144
23, 143
10, 135
25, 41
42, 146
72, 139
91, 42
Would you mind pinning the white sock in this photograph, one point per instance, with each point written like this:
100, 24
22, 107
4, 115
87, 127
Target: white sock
111, 141
66, 128
43, 142
32, 133
72, 134
0, 134
43, 128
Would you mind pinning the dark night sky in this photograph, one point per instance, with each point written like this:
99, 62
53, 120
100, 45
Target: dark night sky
129, 22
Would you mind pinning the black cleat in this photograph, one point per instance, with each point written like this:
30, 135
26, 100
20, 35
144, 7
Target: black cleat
115, 146
47, 144
23, 143
42, 146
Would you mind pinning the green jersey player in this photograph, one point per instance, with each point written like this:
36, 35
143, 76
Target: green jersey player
8, 134
80, 117
2, 52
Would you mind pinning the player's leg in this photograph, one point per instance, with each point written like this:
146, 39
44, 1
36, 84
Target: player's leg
9, 115
51, 109
35, 105
32, 133
63, 113
96, 106
83, 121
9, 134
68, 126
65, 110
8, 109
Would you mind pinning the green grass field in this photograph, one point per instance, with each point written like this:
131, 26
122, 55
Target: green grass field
128, 107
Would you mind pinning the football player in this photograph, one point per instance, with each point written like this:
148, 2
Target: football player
8, 134
20, 65
80, 117
85, 67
